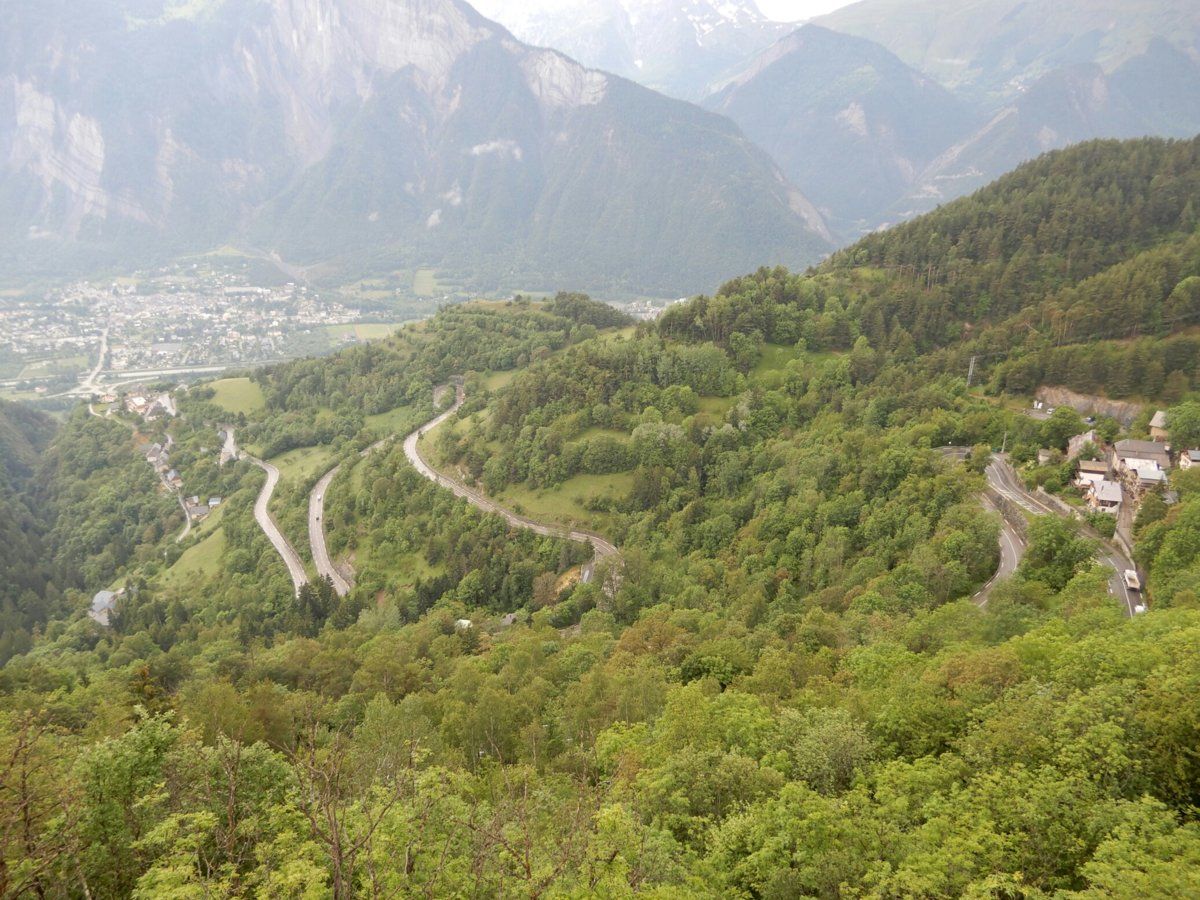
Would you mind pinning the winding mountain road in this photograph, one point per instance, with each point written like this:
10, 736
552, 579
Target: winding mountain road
1012, 535
316, 534
262, 513
340, 578
1012, 551
1010, 491
601, 547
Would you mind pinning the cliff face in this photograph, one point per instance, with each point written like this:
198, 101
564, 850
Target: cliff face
352, 131
679, 47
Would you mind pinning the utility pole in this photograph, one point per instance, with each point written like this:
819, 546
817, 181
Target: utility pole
971, 373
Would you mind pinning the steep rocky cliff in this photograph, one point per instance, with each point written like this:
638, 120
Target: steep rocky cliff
369, 133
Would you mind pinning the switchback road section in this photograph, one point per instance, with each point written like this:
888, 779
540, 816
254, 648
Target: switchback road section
601, 547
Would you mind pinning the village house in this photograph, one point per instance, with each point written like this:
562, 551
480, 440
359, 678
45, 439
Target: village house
1158, 428
198, 511
1142, 465
1076, 444
1106, 496
1189, 458
1149, 479
1089, 472
1130, 455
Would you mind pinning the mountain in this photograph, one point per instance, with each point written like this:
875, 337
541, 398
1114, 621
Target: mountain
998, 48
1156, 93
679, 47
358, 134
879, 127
849, 123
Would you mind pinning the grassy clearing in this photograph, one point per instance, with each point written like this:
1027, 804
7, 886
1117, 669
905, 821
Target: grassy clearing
717, 406
564, 505
402, 571
238, 395
771, 368
401, 420
623, 333
596, 431
425, 283
496, 380
304, 463
775, 358
199, 562
366, 331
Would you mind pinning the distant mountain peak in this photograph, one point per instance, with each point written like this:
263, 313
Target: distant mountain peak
677, 46
360, 133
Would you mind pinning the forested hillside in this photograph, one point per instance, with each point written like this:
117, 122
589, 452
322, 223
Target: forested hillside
23, 437
802, 678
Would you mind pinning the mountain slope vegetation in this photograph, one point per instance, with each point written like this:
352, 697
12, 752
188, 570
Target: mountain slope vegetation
793, 686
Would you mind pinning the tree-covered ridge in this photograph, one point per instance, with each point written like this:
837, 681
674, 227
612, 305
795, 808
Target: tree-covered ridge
1080, 269
24, 435
1055, 221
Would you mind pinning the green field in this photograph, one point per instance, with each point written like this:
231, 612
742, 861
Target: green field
199, 562
497, 380
304, 463
564, 505
366, 331
717, 406
625, 333
49, 368
238, 395
597, 431
425, 283
401, 420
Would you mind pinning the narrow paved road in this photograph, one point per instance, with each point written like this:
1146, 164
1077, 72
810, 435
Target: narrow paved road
263, 514
187, 518
1009, 485
316, 534
1012, 539
91, 382
1012, 551
316, 516
601, 547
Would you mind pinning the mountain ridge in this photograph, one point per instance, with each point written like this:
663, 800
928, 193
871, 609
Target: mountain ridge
849, 123
461, 138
